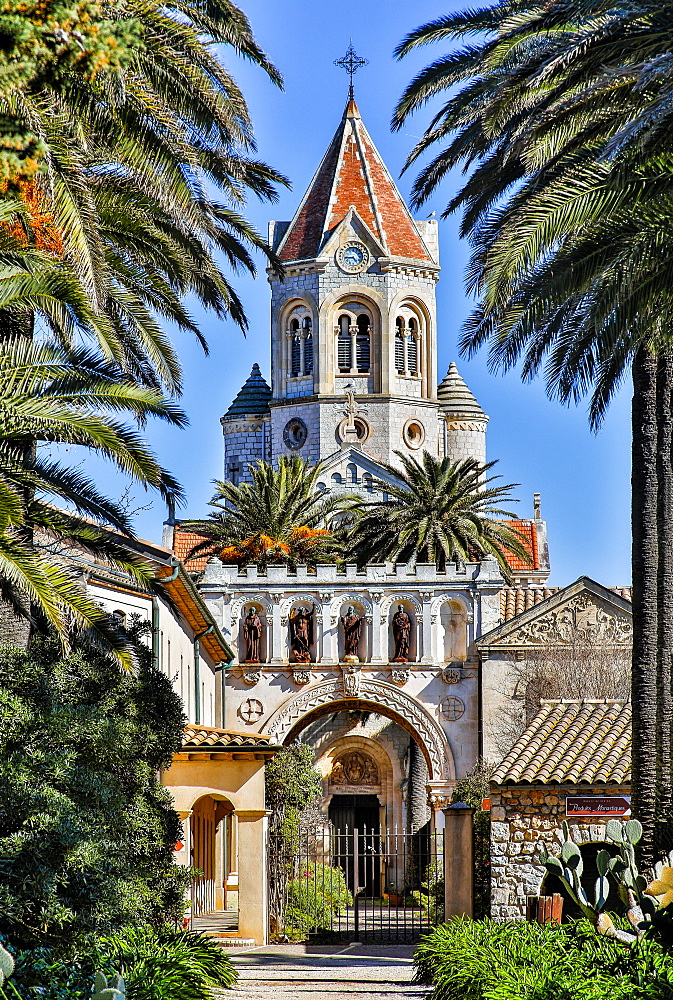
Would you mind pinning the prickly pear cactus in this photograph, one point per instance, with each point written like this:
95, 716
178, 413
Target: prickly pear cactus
6, 964
108, 989
620, 871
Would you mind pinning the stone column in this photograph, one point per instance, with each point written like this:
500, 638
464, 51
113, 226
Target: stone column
376, 656
252, 897
182, 856
458, 861
428, 653
275, 648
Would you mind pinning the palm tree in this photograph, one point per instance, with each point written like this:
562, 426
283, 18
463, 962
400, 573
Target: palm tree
280, 516
438, 511
564, 117
135, 155
50, 397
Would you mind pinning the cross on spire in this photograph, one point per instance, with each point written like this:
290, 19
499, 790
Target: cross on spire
351, 62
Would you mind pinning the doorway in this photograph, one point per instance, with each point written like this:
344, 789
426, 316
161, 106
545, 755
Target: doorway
358, 817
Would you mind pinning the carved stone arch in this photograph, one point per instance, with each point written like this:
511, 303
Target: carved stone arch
417, 300
411, 598
240, 603
437, 602
294, 299
378, 696
339, 600
301, 598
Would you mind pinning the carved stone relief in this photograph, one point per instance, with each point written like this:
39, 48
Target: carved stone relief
400, 675
352, 672
355, 768
581, 617
301, 676
251, 675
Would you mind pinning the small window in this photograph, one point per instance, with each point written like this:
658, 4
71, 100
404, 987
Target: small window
368, 483
412, 355
308, 353
296, 356
363, 344
352, 471
344, 349
399, 347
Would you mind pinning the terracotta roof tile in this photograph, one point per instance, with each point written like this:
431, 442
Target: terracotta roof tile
212, 738
352, 174
529, 532
183, 543
515, 600
573, 743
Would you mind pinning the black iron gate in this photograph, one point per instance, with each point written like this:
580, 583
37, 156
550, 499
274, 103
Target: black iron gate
328, 884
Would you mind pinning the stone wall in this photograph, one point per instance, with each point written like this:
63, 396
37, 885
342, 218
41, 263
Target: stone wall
521, 818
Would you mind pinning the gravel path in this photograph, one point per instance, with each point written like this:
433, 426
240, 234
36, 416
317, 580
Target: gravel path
305, 972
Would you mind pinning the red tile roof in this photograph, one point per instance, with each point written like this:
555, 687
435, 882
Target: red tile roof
183, 543
527, 529
352, 174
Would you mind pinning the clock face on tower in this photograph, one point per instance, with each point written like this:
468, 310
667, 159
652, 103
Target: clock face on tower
352, 257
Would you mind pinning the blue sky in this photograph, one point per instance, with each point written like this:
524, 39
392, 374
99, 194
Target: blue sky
543, 446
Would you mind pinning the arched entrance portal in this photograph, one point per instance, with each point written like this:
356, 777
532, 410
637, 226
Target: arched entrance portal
377, 755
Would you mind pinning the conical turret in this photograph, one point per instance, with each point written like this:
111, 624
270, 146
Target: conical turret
246, 426
464, 420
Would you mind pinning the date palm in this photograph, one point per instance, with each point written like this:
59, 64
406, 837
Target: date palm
438, 511
146, 169
279, 516
564, 118
48, 398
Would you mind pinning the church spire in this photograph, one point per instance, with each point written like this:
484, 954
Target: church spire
352, 175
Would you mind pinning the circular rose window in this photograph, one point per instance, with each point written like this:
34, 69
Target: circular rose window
295, 434
413, 434
362, 429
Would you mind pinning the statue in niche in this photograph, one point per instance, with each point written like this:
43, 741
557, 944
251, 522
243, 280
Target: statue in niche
352, 626
355, 768
252, 631
301, 634
401, 634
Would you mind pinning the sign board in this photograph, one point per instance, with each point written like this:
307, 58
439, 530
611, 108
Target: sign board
598, 805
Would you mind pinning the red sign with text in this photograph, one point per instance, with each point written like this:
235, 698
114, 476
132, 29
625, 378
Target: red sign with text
598, 805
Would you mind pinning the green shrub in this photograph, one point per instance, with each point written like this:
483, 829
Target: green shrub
155, 965
483, 960
168, 965
313, 897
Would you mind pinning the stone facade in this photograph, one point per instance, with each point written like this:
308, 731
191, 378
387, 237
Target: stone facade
521, 819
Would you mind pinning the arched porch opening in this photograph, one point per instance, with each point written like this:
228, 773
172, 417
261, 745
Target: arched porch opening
213, 852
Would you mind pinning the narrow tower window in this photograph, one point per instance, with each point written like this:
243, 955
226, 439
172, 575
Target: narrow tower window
412, 348
399, 346
344, 351
295, 349
363, 344
308, 353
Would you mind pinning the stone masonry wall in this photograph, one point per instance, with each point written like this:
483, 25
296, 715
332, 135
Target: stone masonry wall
522, 818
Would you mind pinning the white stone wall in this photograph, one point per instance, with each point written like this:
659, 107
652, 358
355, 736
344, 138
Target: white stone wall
246, 440
466, 439
176, 649
429, 681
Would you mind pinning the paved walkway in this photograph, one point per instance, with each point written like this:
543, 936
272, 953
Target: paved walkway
311, 972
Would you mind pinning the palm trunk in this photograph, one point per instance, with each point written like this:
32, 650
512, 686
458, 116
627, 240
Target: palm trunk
664, 585
645, 581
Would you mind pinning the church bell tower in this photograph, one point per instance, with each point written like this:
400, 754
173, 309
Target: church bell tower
354, 330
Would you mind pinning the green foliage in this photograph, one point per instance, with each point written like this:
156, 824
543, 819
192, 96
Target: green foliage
314, 896
51, 395
168, 965
438, 511
157, 964
292, 782
280, 516
472, 790
483, 960
86, 828
430, 896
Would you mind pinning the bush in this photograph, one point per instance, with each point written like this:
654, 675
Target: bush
86, 827
317, 894
430, 897
155, 965
168, 965
483, 960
